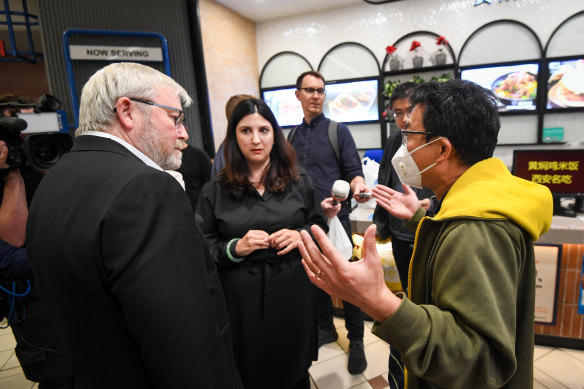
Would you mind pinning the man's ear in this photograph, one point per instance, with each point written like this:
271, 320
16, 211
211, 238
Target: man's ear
446, 150
297, 93
125, 113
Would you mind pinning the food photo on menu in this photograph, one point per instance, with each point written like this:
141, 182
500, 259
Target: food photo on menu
566, 84
352, 101
515, 86
285, 106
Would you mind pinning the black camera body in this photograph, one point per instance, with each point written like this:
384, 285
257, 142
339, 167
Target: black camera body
10, 129
44, 143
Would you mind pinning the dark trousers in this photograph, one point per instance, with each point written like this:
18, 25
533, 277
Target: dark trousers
395, 377
324, 315
324, 304
402, 253
37, 347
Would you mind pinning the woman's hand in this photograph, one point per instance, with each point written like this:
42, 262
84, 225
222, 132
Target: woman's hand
285, 240
252, 241
328, 209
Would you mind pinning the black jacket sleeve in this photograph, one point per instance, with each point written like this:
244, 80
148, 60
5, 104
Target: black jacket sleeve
209, 224
380, 215
14, 264
313, 209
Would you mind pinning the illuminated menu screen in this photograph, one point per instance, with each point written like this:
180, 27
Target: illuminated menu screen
565, 84
515, 86
352, 101
285, 106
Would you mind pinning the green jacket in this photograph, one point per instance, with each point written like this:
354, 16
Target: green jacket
468, 322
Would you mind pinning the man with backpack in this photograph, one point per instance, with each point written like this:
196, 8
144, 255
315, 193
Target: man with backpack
327, 151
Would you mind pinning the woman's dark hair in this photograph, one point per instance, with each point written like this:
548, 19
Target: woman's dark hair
463, 112
282, 167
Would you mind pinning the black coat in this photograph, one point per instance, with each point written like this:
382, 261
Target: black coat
196, 172
269, 297
115, 248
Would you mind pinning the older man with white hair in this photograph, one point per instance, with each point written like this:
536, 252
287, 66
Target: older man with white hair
116, 249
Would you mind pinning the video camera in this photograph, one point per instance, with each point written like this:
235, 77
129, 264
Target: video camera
45, 144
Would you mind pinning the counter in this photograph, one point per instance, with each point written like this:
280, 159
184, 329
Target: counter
568, 328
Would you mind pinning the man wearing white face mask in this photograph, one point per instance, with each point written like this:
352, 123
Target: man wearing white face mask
402, 238
405, 165
467, 321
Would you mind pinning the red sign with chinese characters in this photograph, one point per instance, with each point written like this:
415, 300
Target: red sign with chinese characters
562, 171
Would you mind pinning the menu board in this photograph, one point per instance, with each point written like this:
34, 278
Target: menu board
515, 86
352, 101
285, 106
565, 84
562, 171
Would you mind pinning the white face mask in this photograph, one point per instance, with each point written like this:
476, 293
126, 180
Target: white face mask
406, 168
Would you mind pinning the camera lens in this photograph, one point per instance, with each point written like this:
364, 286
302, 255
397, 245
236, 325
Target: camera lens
45, 151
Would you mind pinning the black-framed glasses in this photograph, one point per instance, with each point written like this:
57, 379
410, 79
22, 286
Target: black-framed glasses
404, 134
311, 91
401, 114
178, 121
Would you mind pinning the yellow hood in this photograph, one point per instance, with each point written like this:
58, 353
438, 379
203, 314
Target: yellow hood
488, 190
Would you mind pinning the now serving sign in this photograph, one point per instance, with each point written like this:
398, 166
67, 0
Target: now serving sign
115, 53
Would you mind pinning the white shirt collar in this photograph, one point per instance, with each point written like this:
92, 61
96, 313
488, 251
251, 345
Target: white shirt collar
128, 146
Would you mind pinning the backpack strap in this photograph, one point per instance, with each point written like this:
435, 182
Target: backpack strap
291, 134
333, 134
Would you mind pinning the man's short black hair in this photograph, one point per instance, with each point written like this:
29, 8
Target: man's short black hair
463, 112
402, 91
313, 73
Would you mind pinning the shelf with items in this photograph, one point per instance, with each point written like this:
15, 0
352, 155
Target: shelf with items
428, 69
416, 57
390, 80
418, 50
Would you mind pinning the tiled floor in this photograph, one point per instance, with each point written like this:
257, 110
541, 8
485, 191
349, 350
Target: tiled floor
554, 368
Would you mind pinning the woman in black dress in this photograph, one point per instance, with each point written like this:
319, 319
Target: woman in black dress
252, 214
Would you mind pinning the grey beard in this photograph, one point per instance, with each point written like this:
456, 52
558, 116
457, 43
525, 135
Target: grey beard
171, 162
150, 145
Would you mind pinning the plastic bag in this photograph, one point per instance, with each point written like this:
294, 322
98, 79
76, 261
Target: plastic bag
370, 172
339, 237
